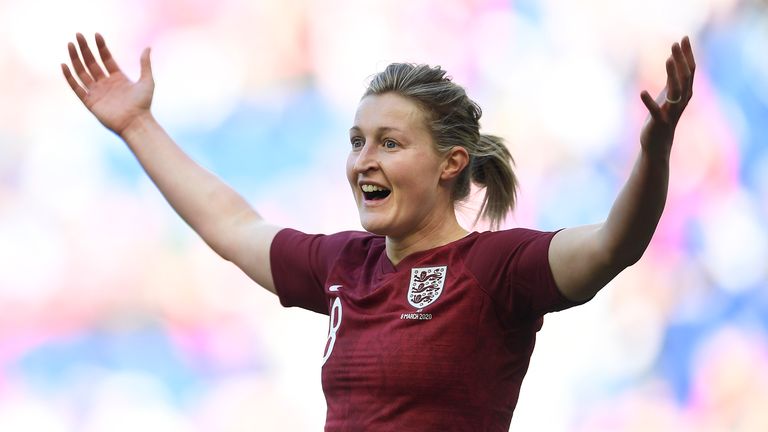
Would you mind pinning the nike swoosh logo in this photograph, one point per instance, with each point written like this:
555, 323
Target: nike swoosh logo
334, 288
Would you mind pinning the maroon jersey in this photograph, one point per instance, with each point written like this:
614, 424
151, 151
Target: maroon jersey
440, 341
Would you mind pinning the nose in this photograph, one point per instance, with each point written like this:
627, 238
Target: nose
365, 159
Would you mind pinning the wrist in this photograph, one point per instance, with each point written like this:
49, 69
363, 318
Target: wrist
137, 125
654, 161
656, 154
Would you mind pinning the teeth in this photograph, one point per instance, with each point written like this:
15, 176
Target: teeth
371, 188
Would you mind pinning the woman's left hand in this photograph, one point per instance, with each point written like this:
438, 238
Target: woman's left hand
666, 109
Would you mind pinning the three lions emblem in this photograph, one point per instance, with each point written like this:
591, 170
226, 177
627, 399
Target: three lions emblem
426, 285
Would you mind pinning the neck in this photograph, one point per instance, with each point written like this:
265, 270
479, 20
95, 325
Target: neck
426, 238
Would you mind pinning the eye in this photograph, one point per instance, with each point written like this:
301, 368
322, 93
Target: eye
357, 142
390, 144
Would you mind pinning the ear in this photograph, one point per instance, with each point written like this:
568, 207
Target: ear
455, 161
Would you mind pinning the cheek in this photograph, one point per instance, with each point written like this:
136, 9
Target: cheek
350, 168
421, 174
352, 176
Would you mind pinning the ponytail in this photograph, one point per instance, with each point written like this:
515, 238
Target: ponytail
490, 167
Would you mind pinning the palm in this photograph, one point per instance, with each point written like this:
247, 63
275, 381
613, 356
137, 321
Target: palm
115, 100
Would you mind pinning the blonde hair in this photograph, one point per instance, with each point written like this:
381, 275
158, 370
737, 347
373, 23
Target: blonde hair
453, 119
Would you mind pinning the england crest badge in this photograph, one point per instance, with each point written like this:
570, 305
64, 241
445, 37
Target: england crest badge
426, 285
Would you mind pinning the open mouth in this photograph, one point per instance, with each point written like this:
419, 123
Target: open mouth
374, 193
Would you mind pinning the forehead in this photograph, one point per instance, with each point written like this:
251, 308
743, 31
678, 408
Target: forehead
388, 110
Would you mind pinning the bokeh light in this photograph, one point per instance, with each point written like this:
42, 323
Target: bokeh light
115, 316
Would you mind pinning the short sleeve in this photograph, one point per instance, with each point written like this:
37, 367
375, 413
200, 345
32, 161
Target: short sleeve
300, 264
513, 267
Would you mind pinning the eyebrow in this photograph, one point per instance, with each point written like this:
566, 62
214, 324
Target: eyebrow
378, 130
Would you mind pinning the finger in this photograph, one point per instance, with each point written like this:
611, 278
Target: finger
653, 108
89, 59
146, 65
83, 74
79, 91
106, 57
688, 53
681, 65
673, 84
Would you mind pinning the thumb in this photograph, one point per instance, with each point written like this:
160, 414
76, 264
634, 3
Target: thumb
653, 108
146, 66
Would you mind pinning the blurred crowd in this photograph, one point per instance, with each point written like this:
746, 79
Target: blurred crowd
115, 316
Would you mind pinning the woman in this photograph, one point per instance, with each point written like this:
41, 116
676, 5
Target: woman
431, 327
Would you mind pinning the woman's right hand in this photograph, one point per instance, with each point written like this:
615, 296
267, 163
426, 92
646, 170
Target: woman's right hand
114, 99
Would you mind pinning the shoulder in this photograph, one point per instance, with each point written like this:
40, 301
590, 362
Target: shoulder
513, 266
511, 239
290, 239
358, 245
339, 237
511, 250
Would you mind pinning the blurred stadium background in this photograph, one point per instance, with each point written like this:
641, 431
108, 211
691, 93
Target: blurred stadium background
114, 316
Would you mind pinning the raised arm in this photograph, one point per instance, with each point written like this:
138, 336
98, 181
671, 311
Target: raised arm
215, 211
586, 258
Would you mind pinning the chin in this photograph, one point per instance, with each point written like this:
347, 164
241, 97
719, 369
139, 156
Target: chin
374, 225
374, 228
